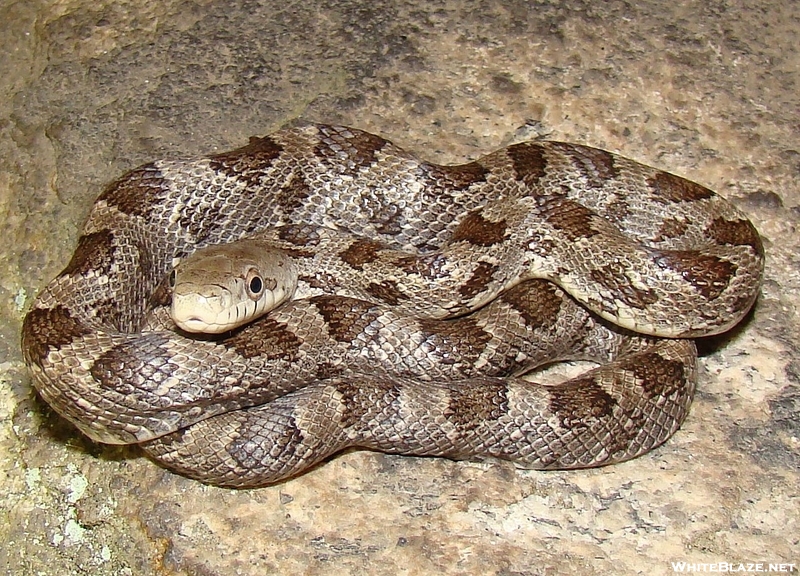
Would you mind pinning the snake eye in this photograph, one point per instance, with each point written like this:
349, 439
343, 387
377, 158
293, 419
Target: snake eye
255, 285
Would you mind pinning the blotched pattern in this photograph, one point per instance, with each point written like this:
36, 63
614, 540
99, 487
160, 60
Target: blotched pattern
410, 330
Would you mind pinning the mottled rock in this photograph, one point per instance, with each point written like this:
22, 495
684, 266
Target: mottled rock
704, 90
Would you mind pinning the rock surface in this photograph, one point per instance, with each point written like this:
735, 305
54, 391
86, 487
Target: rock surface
709, 90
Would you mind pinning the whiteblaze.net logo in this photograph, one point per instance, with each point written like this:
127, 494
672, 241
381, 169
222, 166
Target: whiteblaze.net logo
733, 567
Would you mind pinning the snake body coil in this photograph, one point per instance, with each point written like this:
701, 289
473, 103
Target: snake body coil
423, 293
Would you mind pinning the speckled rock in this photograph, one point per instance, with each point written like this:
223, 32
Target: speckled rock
709, 90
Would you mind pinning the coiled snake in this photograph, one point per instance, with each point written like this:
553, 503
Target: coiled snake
423, 293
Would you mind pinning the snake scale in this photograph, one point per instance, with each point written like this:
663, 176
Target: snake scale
425, 293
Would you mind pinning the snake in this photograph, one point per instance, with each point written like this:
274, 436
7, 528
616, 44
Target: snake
246, 315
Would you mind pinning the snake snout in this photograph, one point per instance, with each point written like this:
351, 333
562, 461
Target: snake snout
195, 312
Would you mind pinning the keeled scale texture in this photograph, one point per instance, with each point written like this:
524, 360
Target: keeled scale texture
590, 221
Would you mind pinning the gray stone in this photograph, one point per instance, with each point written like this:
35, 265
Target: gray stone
708, 90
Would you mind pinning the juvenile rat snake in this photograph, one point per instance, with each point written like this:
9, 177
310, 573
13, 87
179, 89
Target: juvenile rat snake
423, 293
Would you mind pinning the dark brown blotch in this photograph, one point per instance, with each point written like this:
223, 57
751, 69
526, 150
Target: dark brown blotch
617, 210
614, 279
302, 235
671, 228
537, 301
95, 253
541, 245
345, 318
460, 341
110, 312
573, 219
597, 166
361, 398
458, 177
580, 403
361, 252
201, 220
386, 291
476, 229
709, 275
667, 187
266, 338
479, 280
321, 280
248, 163
48, 328
364, 146
390, 220
327, 370
429, 266
348, 148
658, 376
529, 162
137, 192
293, 194
472, 407
736, 233
137, 368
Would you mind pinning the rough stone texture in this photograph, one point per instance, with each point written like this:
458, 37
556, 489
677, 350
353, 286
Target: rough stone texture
707, 89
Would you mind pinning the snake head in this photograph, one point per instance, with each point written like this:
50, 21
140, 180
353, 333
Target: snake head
219, 288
